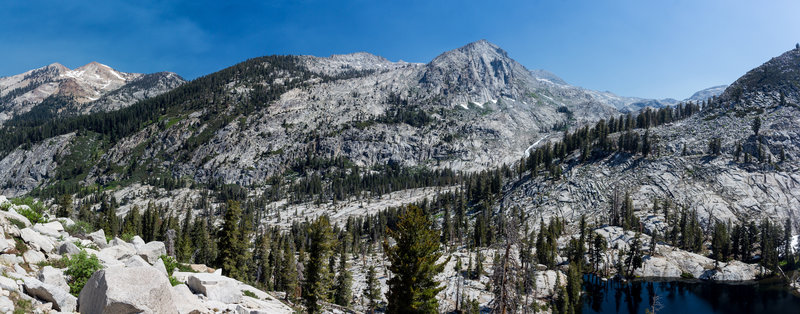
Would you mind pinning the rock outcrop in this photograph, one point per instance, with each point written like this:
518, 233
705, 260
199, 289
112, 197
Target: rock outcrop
127, 290
133, 278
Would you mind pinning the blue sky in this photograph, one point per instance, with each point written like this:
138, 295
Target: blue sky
655, 49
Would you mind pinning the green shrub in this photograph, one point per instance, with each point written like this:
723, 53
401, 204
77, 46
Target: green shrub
17, 223
59, 263
5, 206
249, 294
20, 246
80, 227
687, 276
174, 282
170, 263
127, 237
34, 212
21, 305
80, 269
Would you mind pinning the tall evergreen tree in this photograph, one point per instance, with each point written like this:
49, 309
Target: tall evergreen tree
231, 243
413, 263
288, 274
315, 289
344, 282
372, 292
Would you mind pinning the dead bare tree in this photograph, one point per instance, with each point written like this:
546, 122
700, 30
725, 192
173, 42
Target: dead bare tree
506, 271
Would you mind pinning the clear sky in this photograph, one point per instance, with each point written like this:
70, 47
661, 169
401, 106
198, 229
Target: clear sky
654, 49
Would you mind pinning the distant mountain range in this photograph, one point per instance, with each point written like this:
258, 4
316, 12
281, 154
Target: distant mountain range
90, 88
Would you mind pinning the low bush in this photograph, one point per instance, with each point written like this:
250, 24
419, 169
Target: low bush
34, 212
17, 223
80, 268
80, 227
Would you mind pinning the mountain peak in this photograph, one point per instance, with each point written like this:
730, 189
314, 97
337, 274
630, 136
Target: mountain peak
483, 47
779, 75
94, 65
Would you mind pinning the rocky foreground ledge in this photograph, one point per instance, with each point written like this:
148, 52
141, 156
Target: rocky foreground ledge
133, 277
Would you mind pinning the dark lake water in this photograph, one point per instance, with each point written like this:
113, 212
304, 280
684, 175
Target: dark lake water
689, 297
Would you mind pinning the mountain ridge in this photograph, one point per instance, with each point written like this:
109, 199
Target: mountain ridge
80, 87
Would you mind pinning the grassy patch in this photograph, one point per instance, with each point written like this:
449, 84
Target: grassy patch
250, 294
17, 223
20, 246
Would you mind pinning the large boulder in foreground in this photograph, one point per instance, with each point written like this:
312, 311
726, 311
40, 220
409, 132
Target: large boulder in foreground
127, 290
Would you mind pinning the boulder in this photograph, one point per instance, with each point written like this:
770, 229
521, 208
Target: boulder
9, 259
11, 213
127, 290
152, 251
159, 265
137, 242
108, 258
546, 282
737, 271
216, 287
99, 238
8, 284
68, 248
53, 276
135, 261
6, 305
48, 229
186, 301
55, 225
33, 257
66, 222
61, 299
36, 240
199, 268
255, 306
119, 251
6, 244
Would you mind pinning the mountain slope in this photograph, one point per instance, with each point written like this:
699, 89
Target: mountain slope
81, 90
753, 177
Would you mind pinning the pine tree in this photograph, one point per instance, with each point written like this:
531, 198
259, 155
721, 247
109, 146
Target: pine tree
261, 255
756, 125
64, 206
478, 265
201, 239
413, 263
372, 292
231, 243
315, 289
787, 243
133, 222
344, 281
574, 281
288, 274
110, 220
184, 247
